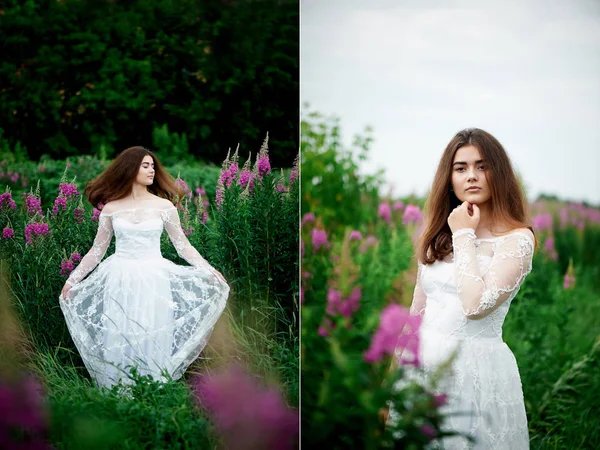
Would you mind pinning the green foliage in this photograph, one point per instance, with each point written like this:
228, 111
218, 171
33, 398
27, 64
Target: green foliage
89, 76
156, 415
332, 188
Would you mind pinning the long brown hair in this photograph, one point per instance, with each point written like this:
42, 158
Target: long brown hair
117, 179
508, 201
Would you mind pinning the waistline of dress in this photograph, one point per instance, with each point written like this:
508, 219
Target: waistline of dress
138, 256
460, 336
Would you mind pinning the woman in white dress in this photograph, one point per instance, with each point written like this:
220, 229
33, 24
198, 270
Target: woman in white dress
137, 308
473, 255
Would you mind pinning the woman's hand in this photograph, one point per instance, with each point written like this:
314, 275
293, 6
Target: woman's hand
65, 291
464, 216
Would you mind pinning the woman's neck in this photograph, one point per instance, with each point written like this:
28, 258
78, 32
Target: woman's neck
138, 192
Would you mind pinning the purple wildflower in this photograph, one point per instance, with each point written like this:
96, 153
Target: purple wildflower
440, 400
308, 218
319, 239
370, 241
68, 190
428, 431
78, 214
95, 214
59, 202
248, 416
396, 329
355, 235
75, 257
293, 176
8, 233
385, 212
36, 229
281, 188
6, 198
22, 408
200, 191
66, 267
412, 214
33, 204
264, 166
326, 328
335, 304
398, 206
549, 248
542, 222
569, 281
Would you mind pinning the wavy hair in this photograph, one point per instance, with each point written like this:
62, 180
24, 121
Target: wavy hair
117, 179
508, 201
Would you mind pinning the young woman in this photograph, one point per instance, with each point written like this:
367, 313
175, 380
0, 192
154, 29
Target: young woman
138, 308
473, 255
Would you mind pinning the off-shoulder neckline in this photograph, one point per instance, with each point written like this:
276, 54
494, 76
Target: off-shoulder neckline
135, 209
521, 232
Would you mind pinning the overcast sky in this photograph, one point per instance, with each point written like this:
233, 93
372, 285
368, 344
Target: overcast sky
419, 71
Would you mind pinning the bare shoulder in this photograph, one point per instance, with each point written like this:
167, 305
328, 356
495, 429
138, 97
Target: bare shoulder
164, 203
525, 231
111, 207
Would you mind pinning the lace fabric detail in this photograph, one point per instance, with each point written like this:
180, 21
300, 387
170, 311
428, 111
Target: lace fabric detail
511, 263
94, 256
417, 308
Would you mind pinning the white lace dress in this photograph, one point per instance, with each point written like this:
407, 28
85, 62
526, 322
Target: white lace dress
463, 304
138, 308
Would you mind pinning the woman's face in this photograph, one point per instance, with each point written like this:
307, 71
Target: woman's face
145, 175
469, 180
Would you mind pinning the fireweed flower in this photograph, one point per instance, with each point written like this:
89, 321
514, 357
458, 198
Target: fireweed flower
326, 328
78, 215
355, 235
281, 188
412, 214
60, 202
8, 233
398, 206
549, 248
264, 166
319, 239
397, 329
95, 214
68, 190
182, 184
6, 200
33, 204
369, 242
247, 415
22, 407
200, 191
36, 229
75, 257
569, 281
335, 304
385, 212
542, 222
66, 267
308, 218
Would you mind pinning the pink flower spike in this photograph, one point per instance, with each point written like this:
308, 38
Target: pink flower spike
385, 212
319, 239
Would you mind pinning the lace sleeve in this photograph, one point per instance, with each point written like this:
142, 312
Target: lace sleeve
511, 263
417, 308
96, 253
181, 243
